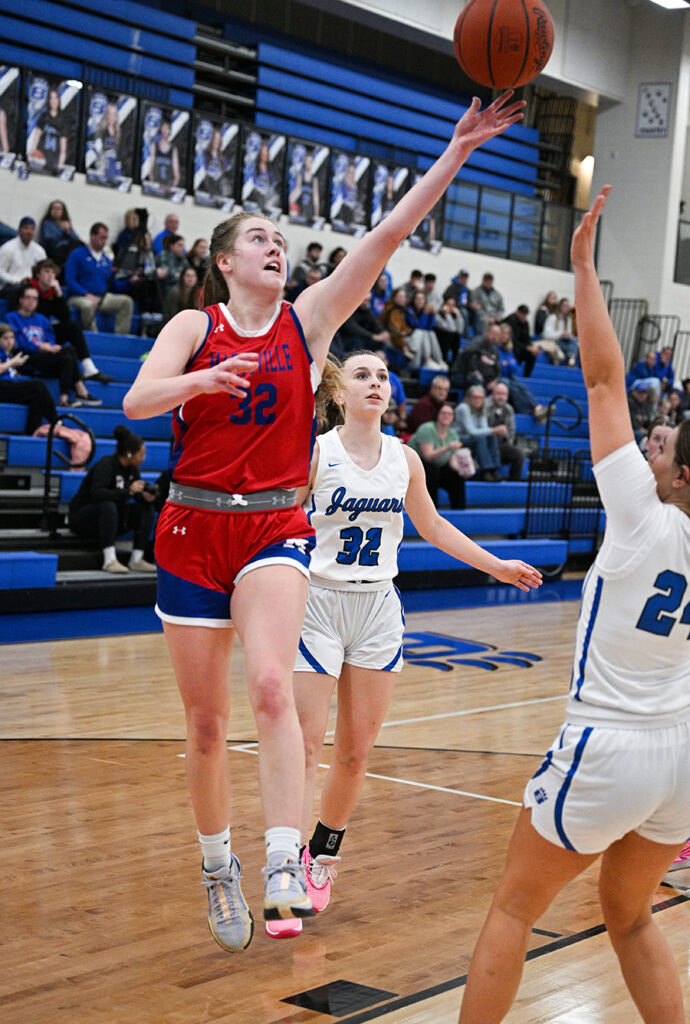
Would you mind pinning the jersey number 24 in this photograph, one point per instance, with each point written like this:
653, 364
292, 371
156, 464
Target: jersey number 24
656, 617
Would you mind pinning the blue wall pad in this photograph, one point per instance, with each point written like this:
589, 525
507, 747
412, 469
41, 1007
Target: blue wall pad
493, 596
21, 569
73, 624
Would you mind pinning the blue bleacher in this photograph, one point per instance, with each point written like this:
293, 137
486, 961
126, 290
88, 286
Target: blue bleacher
420, 556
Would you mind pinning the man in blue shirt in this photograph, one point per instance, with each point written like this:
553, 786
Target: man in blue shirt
88, 278
172, 227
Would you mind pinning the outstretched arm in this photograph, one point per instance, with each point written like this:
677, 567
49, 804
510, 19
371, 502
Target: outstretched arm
600, 354
326, 305
439, 532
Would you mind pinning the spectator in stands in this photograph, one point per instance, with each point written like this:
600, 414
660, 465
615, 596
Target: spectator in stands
490, 301
363, 329
312, 259
525, 351
641, 407
545, 308
336, 256
675, 414
380, 294
415, 284
35, 336
89, 277
144, 280
124, 239
56, 234
17, 258
397, 392
310, 278
395, 322
560, 327
664, 368
172, 226
172, 259
521, 398
32, 393
434, 299
53, 305
645, 369
113, 499
500, 416
422, 341
426, 408
183, 295
390, 421
449, 327
478, 362
197, 257
437, 444
458, 289
474, 430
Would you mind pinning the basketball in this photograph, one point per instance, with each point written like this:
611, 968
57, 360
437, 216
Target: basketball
503, 43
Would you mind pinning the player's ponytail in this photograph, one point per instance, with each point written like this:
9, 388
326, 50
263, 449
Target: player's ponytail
215, 288
328, 410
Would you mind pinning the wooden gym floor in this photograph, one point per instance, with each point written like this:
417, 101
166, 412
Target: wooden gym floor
104, 917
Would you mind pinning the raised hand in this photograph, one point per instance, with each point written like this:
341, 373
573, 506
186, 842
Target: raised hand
476, 125
582, 245
520, 574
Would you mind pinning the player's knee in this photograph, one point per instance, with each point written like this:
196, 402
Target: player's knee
270, 695
206, 730
621, 914
354, 759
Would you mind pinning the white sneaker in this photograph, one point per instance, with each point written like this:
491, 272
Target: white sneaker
115, 567
142, 566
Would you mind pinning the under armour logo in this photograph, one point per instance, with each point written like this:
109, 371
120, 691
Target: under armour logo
180, 529
220, 327
297, 542
540, 795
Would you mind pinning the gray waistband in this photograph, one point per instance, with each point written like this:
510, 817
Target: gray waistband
219, 501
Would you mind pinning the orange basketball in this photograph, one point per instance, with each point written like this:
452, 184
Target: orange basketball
503, 43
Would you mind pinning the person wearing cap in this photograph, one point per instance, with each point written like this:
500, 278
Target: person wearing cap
17, 258
640, 405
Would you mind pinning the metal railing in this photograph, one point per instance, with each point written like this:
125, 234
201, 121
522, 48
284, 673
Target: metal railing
51, 495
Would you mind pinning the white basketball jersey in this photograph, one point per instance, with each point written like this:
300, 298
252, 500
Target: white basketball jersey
632, 653
358, 515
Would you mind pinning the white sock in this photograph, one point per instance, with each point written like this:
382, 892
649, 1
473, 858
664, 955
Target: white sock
137, 555
89, 367
216, 850
283, 840
108, 556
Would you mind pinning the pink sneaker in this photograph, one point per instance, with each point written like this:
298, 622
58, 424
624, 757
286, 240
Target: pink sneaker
319, 873
681, 861
288, 928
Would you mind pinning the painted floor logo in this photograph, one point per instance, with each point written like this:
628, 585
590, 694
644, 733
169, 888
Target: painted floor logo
436, 650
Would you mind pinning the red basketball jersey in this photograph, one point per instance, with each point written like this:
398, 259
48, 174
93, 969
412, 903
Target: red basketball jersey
263, 440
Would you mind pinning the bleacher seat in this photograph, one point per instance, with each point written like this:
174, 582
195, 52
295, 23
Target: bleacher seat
27, 569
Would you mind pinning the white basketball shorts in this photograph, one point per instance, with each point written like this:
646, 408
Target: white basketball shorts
364, 629
597, 783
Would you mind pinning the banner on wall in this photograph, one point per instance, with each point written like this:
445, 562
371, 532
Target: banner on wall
52, 125
216, 151
349, 192
164, 150
9, 105
429, 232
307, 183
263, 171
390, 183
110, 142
